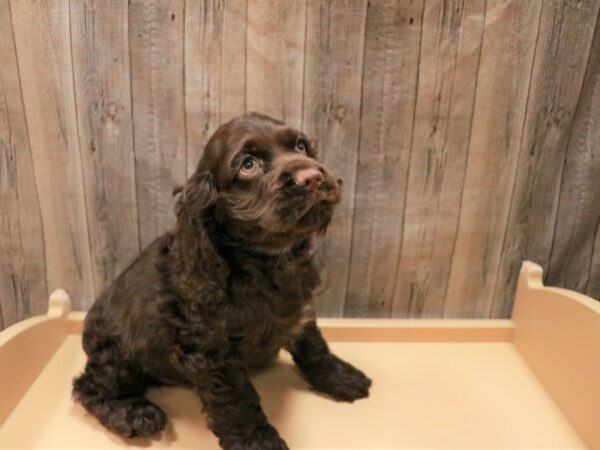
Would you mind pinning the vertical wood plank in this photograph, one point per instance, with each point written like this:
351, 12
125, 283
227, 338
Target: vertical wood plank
43, 46
450, 54
331, 113
593, 286
23, 289
389, 86
578, 213
233, 59
500, 104
566, 32
275, 58
99, 34
215, 69
156, 48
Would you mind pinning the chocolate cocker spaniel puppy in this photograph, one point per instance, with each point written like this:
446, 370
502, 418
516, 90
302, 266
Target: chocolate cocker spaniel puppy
222, 293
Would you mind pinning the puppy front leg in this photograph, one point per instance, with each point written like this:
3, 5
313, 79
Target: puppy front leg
234, 412
326, 372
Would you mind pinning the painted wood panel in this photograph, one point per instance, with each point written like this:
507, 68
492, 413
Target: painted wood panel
335, 33
389, 87
101, 69
507, 52
215, 62
593, 287
156, 49
43, 44
574, 262
592, 142
22, 264
450, 55
464, 131
566, 29
275, 58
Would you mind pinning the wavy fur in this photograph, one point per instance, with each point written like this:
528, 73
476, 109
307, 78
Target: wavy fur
219, 296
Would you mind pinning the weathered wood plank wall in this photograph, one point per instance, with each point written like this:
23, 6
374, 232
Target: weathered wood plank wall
45, 68
565, 33
156, 50
22, 264
391, 68
335, 38
576, 239
450, 60
466, 133
501, 96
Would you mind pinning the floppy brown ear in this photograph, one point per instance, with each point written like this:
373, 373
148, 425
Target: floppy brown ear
196, 196
201, 272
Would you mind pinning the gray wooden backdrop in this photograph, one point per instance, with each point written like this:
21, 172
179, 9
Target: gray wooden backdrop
467, 133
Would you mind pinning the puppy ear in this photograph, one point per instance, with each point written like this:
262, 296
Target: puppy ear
200, 272
196, 196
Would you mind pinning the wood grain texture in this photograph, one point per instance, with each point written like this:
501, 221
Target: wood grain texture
43, 46
215, 66
393, 34
566, 29
450, 54
275, 58
156, 49
593, 286
571, 262
504, 75
335, 33
99, 34
593, 141
22, 264
465, 131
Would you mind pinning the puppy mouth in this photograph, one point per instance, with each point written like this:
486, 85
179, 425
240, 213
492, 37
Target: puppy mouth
323, 198
309, 209
328, 195
317, 215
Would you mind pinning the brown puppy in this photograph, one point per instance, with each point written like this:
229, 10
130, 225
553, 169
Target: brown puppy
222, 293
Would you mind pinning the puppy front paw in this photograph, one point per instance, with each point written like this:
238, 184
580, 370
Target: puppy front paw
264, 437
339, 379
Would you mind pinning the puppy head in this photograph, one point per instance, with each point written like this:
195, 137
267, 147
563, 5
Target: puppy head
263, 182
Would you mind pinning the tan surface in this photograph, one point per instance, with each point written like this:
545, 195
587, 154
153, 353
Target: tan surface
437, 384
26, 347
425, 395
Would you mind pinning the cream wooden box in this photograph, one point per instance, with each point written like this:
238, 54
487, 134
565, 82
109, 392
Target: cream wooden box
530, 382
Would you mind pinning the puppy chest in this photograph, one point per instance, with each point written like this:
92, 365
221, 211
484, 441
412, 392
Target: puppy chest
280, 286
258, 340
270, 304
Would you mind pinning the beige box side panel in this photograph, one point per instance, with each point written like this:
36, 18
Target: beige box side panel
558, 333
26, 348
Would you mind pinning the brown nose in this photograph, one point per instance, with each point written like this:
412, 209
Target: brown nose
310, 178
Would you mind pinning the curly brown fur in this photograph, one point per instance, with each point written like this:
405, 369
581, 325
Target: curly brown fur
222, 293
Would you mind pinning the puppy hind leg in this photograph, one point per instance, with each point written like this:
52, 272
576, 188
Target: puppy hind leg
113, 393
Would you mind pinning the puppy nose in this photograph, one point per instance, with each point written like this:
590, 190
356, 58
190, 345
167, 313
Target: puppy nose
310, 178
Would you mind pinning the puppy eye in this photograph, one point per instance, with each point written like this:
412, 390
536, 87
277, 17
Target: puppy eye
249, 163
249, 166
301, 145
